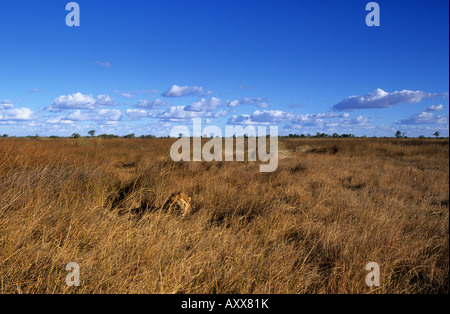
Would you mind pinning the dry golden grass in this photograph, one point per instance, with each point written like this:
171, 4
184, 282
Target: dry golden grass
310, 227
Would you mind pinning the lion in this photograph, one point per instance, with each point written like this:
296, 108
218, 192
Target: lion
138, 203
179, 202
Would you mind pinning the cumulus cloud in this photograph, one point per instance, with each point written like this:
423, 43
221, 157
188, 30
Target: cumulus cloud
241, 119
279, 116
9, 113
59, 120
104, 100
136, 114
96, 115
247, 101
205, 105
329, 123
79, 101
6, 104
151, 104
105, 116
178, 114
262, 117
358, 121
325, 121
436, 108
180, 91
327, 115
424, 118
381, 99
220, 113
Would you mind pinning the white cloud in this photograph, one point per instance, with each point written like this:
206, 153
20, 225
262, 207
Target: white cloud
9, 113
271, 116
180, 114
96, 115
150, 91
319, 119
79, 101
151, 104
205, 105
220, 113
6, 104
279, 116
177, 113
327, 115
247, 101
104, 100
381, 99
180, 91
327, 122
358, 121
262, 117
16, 114
424, 118
124, 94
107, 116
59, 120
436, 108
136, 114
241, 119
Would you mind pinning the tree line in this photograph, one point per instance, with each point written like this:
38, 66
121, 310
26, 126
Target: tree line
91, 133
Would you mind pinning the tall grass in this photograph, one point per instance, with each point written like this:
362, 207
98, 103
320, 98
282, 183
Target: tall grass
310, 227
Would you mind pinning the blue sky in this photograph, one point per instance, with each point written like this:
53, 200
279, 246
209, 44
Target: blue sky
145, 66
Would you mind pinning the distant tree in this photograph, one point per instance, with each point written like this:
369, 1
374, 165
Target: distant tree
318, 134
5, 135
335, 135
129, 135
421, 136
76, 135
398, 134
91, 133
147, 136
108, 136
437, 133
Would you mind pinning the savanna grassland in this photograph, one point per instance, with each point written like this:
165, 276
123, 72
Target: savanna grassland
332, 206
